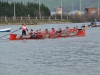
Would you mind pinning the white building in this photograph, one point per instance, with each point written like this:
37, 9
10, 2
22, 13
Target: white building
58, 10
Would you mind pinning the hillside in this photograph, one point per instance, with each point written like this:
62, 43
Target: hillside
67, 4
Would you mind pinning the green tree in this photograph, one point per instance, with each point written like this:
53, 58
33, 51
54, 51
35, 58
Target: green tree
32, 9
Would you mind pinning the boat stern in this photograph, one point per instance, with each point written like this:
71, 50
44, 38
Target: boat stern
12, 37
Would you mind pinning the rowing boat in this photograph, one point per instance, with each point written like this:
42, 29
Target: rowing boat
5, 30
93, 25
17, 37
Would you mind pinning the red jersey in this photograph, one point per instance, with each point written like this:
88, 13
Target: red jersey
24, 28
52, 32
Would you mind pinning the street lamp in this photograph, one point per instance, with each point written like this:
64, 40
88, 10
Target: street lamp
80, 7
39, 10
61, 9
72, 5
14, 11
98, 7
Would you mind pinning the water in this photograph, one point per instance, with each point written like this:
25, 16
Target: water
61, 56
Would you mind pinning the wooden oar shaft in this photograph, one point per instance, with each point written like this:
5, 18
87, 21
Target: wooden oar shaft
15, 31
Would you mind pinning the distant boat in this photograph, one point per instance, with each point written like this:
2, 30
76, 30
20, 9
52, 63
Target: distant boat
5, 30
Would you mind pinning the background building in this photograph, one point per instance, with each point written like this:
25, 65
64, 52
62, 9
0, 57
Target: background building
90, 11
58, 10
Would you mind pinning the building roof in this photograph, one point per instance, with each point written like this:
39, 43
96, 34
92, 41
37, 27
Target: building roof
91, 8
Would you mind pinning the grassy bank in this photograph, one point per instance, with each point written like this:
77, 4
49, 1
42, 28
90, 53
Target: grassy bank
35, 22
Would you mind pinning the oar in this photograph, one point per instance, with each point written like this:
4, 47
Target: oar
8, 34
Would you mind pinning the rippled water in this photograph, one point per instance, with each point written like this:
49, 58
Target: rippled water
61, 56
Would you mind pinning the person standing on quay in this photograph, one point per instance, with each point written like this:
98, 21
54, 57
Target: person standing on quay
95, 21
24, 28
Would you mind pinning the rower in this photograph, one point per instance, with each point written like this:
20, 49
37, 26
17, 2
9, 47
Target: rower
66, 31
39, 32
72, 31
52, 31
45, 32
75, 30
59, 31
31, 33
35, 34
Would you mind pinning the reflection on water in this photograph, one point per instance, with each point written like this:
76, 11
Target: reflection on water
62, 56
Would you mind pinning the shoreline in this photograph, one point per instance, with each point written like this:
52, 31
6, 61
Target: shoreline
34, 22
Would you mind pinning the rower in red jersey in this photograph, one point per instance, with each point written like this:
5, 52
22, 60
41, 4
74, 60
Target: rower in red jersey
52, 31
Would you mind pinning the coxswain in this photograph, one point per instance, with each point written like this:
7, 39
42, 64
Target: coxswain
24, 29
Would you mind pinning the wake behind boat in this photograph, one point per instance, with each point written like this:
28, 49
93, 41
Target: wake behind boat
5, 30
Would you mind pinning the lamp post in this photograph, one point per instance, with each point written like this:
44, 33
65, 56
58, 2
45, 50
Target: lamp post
72, 6
80, 7
39, 10
61, 9
98, 7
14, 11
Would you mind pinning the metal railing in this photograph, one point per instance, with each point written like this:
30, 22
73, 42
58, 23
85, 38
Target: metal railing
31, 18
